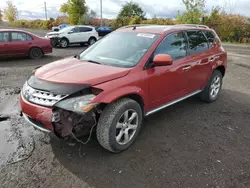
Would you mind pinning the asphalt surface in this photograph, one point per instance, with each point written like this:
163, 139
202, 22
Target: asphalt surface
191, 144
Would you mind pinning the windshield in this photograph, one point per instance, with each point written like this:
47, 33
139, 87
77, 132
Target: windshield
121, 49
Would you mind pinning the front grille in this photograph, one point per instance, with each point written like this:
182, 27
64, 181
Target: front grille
43, 98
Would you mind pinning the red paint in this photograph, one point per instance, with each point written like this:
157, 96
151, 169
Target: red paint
22, 48
156, 86
38, 113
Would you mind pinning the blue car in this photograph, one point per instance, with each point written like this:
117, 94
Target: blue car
103, 30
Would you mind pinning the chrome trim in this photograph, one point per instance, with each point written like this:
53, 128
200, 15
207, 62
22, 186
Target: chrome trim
34, 125
173, 102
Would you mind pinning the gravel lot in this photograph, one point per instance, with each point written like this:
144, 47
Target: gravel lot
191, 144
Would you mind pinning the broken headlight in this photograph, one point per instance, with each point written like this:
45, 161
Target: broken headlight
81, 104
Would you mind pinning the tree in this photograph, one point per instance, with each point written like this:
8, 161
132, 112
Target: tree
194, 12
10, 13
131, 9
89, 16
1, 16
75, 9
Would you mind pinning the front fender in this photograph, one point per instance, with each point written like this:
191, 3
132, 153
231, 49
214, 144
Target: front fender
109, 97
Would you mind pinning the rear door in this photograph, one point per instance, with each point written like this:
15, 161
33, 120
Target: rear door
5, 46
198, 59
20, 43
85, 33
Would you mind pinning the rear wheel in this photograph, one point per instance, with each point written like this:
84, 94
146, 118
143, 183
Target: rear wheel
213, 88
35, 53
92, 40
119, 125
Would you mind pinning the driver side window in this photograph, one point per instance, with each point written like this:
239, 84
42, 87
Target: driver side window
75, 30
174, 45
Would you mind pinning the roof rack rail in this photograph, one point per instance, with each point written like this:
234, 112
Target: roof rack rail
136, 25
193, 25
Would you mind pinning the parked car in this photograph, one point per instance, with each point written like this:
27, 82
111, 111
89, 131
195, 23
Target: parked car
103, 30
15, 42
79, 34
58, 28
131, 73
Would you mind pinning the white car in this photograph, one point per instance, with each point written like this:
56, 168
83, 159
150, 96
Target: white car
79, 34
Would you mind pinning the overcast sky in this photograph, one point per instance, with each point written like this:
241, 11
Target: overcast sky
34, 9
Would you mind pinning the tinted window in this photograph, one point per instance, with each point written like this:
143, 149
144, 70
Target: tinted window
173, 45
210, 37
4, 36
197, 42
75, 30
85, 29
15, 36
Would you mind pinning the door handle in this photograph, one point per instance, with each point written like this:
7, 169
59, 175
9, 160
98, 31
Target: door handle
186, 68
29, 43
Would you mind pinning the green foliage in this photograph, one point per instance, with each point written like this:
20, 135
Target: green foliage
135, 20
194, 4
190, 17
75, 9
10, 12
131, 9
1, 16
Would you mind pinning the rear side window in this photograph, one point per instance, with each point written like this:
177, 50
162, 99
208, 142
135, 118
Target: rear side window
18, 36
210, 37
197, 42
174, 45
4, 37
85, 29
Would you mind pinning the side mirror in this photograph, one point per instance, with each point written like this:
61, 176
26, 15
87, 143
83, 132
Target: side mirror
162, 60
70, 32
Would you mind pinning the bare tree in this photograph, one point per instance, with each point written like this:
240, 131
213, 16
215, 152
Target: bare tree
229, 6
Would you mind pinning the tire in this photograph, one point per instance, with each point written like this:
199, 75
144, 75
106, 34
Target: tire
35, 53
92, 40
109, 131
54, 42
215, 81
64, 43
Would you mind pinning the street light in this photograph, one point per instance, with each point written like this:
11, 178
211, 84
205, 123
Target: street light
101, 10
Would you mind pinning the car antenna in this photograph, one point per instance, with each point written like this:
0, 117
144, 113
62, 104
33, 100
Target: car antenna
134, 28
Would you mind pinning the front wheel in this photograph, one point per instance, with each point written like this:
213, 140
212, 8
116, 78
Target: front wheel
119, 125
213, 88
64, 43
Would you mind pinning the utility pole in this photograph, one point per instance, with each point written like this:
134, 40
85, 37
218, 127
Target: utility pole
45, 9
101, 10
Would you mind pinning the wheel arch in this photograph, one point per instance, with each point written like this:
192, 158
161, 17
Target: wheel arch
222, 69
135, 94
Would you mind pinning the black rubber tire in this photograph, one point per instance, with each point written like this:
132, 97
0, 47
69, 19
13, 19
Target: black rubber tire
205, 94
54, 42
36, 53
106, 127
91, 38
67, 42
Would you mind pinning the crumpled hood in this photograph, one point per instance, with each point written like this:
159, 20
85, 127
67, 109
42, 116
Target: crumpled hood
72, 70
54, 32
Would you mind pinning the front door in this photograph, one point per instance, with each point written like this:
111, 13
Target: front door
168, 83
74, 35
4, 43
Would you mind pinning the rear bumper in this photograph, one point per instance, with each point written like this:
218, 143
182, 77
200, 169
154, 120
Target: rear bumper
39, 117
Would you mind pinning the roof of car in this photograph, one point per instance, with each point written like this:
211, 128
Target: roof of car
160, 29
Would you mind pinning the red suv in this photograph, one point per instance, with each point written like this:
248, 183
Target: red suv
131, 73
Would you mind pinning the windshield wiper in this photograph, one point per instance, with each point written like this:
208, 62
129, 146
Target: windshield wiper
91, 61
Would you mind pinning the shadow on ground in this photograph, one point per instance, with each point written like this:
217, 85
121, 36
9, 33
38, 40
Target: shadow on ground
190, 144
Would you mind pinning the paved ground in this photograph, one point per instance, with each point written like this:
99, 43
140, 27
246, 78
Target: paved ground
190, 144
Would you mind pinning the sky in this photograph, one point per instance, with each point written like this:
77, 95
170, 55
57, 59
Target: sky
34, 9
